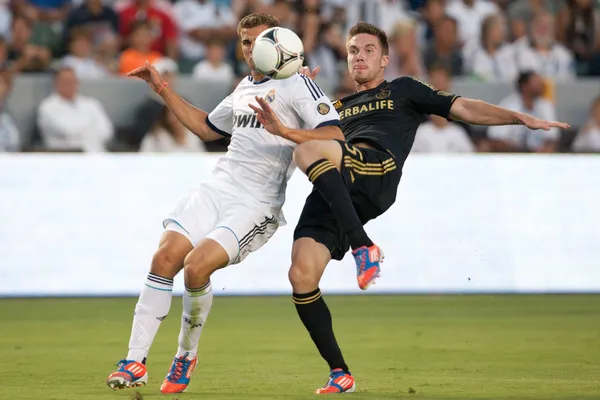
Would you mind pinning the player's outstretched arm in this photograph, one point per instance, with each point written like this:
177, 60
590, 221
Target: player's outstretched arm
191, 117
479, 112
267, 117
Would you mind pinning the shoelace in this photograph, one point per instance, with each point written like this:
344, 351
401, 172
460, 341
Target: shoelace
122, 363
332, 377
177, 370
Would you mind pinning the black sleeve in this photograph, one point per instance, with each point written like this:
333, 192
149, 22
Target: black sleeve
425, 98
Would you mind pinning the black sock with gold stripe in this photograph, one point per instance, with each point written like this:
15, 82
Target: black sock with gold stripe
327, 179
316, 318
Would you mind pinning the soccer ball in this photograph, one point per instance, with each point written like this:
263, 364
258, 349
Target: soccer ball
278, 53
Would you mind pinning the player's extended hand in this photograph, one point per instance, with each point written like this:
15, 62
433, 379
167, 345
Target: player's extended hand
537, 123
306, 71
148, 73
267, 117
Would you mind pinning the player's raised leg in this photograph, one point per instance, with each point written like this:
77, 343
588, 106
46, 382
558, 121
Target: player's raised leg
151, 309
309, 260
199, 265
322, 161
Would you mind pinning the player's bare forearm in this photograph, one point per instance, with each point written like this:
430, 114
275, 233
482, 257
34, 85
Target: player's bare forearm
479, 112
191, 117
304, 135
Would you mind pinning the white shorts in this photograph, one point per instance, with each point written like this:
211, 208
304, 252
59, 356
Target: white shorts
239, 225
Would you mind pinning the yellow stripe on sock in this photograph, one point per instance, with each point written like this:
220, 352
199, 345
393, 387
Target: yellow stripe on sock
318, 168
315, 173
307, 300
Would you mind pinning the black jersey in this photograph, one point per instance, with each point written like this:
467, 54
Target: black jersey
388, 116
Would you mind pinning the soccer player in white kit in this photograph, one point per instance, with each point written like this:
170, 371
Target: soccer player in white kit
220, 222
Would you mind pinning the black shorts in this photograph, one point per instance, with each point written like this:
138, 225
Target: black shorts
371, 177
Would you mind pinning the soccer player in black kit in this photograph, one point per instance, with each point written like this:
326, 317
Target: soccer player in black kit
356, 180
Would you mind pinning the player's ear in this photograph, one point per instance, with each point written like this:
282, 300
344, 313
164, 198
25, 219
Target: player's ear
385, 60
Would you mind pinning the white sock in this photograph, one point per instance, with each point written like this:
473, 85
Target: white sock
151, 309
196, 306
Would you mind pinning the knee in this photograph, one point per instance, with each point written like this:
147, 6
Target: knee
303, 278
197, 267
165, 263
307, 153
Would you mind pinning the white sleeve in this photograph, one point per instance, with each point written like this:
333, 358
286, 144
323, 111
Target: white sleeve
103, 124
313, 107
220, 119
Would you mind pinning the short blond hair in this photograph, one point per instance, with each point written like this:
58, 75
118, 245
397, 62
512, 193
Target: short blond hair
257, 19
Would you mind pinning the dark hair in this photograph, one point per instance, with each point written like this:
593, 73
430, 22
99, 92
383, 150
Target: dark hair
487, 24
523, 79
439, 67
363, 27
139, 24
257, 19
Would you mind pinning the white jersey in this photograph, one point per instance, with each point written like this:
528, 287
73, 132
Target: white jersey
258, 163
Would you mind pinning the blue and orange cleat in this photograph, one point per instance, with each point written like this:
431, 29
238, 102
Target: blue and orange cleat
130, 374
367, 265
178, 378
339, 382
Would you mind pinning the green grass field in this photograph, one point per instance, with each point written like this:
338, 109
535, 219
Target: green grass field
411, 347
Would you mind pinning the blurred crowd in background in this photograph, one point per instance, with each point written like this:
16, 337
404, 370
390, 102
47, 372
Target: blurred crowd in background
527, 43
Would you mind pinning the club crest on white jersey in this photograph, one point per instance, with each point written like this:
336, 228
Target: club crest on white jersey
258, 163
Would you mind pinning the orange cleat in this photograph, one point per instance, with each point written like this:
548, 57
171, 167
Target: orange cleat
339, 382
178, 378
367, 265
130, 374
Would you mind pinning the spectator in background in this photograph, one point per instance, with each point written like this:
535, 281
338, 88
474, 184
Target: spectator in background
445, 48
33, 57
469, 15
199, 22
214, 66
167, 134
405, 54
43, 10
330, 51
99, 20
46, 17
80, 58
438, 135
9, 134
494, 60
541, 53
5, 20
309, 22
588, 137
140, 49
162, 27
385, 14
577, 24
432, 14
521, 13
519, 138
68, 121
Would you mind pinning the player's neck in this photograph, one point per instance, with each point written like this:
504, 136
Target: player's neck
373, 83
257, 76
